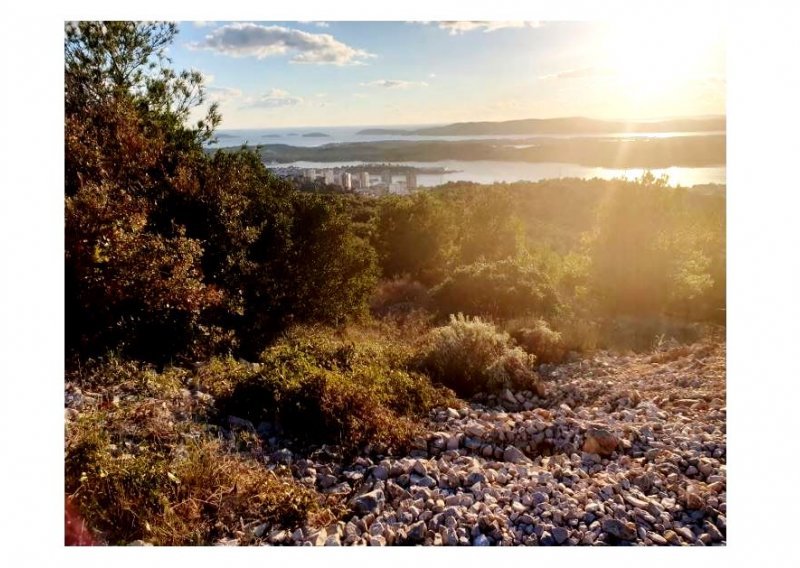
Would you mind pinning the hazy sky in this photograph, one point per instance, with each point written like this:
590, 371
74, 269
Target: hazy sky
279, 74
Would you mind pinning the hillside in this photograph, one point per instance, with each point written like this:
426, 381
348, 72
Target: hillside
622, 449
694, 151
568, 125
254, 360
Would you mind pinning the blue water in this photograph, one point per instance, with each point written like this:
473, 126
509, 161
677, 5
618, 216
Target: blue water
341, 134
480, 171
490, 171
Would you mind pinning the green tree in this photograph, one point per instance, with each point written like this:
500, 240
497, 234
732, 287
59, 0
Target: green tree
133, 275
415, 236
306, 265
646, 252
170, 251
488, 227
505, 288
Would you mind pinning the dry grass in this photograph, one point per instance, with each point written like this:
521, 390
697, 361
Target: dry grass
145, 465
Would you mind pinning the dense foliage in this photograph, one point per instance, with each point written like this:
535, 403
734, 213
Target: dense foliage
171, 252
503, 289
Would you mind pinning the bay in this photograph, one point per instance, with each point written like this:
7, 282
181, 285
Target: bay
487, 171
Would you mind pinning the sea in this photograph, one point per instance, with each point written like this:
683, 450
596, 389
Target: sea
479, 171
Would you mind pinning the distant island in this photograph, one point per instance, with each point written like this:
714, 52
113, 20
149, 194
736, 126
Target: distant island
316, 135
385, 132
222, 135
607, 152
569, 125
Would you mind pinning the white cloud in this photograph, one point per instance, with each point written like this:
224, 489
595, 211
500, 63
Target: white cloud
274, 98
394, 84
312, 23
203, 23
461, 27
431, 75
222, 94
579, 73
253, 40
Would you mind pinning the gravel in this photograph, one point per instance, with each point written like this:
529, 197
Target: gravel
624, 449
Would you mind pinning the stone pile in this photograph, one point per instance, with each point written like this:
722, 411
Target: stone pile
621, 450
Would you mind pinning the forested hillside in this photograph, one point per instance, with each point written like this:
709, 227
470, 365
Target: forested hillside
219, 319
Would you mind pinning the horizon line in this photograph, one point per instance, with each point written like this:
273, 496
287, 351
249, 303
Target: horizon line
417, 124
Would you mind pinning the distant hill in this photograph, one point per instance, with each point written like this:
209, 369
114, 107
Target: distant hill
568, 125
685, 151
316, 135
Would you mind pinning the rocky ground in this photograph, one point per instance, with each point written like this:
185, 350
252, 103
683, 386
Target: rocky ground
622, 450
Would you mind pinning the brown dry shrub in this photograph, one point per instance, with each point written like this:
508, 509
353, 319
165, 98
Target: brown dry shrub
537, 338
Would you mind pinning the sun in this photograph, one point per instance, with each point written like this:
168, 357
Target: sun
658, 61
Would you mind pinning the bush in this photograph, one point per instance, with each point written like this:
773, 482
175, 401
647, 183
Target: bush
505, 288
471, 356
306, 266
398, 296
318, 389
537, 338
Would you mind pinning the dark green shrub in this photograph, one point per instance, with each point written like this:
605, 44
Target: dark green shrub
399, 296
506, 288
414, 236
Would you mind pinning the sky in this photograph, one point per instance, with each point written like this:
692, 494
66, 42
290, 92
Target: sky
331, 73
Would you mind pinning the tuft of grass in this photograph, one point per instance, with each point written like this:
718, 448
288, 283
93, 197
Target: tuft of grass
642, 334
579, 334
472, 356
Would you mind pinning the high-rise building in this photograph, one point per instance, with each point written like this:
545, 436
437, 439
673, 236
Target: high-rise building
329, 179
311, 174
411, 181
364, 179
347, 180
398, 189
386, 177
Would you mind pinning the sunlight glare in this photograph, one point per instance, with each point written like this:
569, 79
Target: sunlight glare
659, 61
